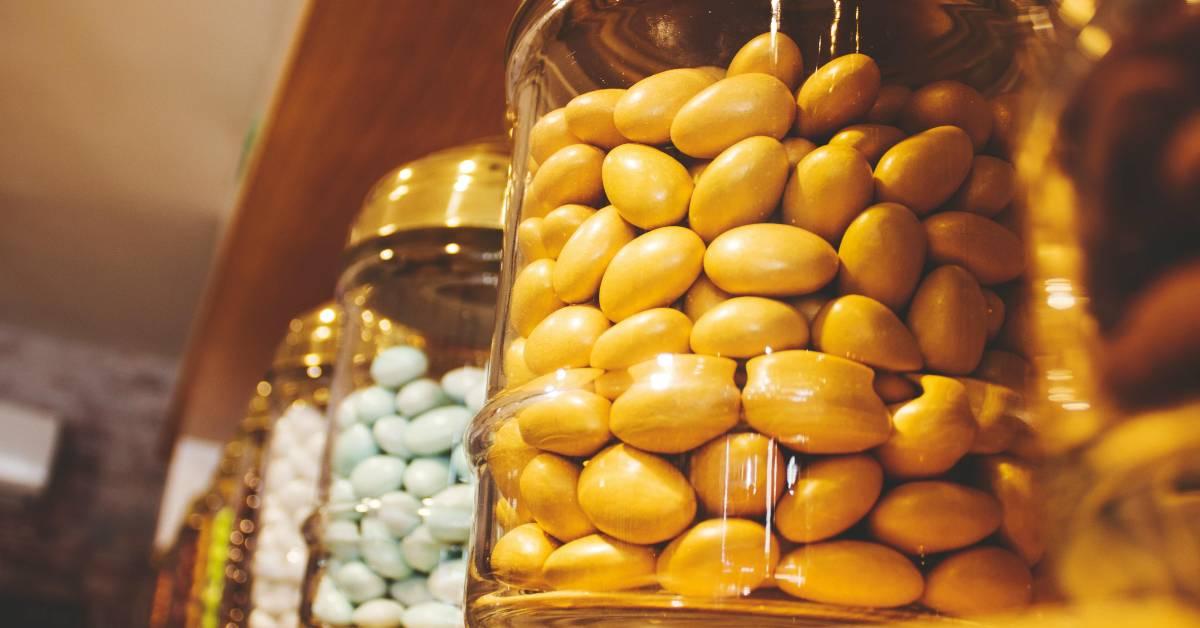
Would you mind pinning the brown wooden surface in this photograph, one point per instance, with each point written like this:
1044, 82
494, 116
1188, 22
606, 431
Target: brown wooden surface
372, 83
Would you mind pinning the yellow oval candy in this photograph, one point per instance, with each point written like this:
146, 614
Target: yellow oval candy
590, 117
599, 563
676, 403
990, 252
979, 581
865, 330
642, 337
948, 317
1012, 482
810, 305
570, 175
829, 188
770, 260
730, 110
549, 134
949, 103
510, 514
994, 313
613, 384
645, 112
814, 403
931, 516
560, 224
882, 255
931, 433
894, 388
996, 410
530, 246
829, 495
889, 104
518, 556
548, 491
797, 148
743, 327
506, 458
719, 558
702, 297
851, 573
653, 270
1005, 368
741, 186
585, 256
872, 140
737, 475
564, 339
839, 92
533, 297
635, 496
516, 371
925, 170
649, 187
770, 53
988, 188
570, 422
1004, 114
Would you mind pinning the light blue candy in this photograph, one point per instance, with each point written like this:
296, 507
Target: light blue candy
389, 433
347, 413
354, 444
377, 475
476, 397
373, 403
342, 501
331, 605
426, 476
358, 583
457, 382
397, 366
449, 514
459, 464
372, 528
421, 551
401, 512
381, 613
433, 615
341, 537
437, 430
385, 557
419, 396
448, 581
410, 591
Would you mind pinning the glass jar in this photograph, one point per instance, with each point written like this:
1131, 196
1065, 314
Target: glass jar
419, 295
281, 490
751, 363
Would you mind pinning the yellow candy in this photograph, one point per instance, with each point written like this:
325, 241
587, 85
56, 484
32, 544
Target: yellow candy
882, 254
653, 270
743, 327
530, 246
829, 188
548, 491
930, 516
642, 337
570, 175
994, 313
585, 256
570, 422
893, 388
770, 53
851, 573
560, 224
925, 170
872, 140
1003, 367
702, 297
931, 433
1012, 482
549, 134
510, 514
979, 581
950, 103
810, 305
533, 297
644, 114
992, 253
770, 260
997, 412
649, 187
516, 372
741, 186
718, 558
889, 104
599, 563
676, 403
797, 148
590, 117
518, 556
507, 457
839, 92
635, 496
865, 330
731, 110
988, 188
737, 475
948, 317
613, 384
829, 495
1004, 113
564, 339
814, 403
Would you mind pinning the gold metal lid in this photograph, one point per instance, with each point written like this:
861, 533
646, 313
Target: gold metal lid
456, 187
311, 340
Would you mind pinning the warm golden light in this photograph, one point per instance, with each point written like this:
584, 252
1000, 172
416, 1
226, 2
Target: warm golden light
387, 254
263, 388
453, 248
327, 315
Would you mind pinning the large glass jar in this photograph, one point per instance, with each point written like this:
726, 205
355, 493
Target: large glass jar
753, 360
419, 295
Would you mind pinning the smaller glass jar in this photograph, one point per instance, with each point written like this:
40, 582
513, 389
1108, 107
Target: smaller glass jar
419, 293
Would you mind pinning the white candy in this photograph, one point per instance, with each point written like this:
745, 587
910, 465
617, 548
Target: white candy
433, 615
382, 613
314, 447
341, 537
410, 591
269, 563
374, 402
385, 557
389, 434
476, 396
450, 513
396, 366
421, 551
261, 619
377, 475
303, 419
400, 511
347, 413
352, 446
436, 431
297, 494
276, 599
459, 464
448, 581
419, 396
424, 477
358, 582
331, 605
457, 382
290, 619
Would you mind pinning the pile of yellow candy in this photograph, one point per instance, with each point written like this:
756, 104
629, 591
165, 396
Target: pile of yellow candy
775, 308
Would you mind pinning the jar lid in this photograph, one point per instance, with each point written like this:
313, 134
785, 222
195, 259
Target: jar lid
311, 340
461, 186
